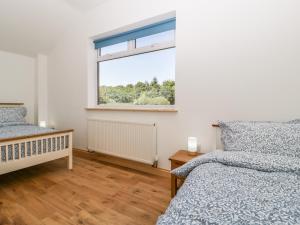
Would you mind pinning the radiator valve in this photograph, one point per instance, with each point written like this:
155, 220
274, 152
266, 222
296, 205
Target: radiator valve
155, 163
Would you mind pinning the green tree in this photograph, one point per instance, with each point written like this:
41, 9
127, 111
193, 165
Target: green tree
129, 86
154, 84
168, 91
145, 100
140, 88
141, 93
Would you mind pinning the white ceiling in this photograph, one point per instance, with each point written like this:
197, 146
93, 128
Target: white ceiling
29, 27
84, 5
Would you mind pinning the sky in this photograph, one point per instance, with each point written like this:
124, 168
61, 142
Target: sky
130, 70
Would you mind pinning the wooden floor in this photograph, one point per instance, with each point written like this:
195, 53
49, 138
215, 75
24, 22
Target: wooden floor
93, 193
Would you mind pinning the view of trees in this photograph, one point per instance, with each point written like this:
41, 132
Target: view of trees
141, 93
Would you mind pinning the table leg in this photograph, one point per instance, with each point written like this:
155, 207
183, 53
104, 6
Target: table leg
173, 185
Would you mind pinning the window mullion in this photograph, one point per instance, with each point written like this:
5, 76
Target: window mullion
131, 45
99, 52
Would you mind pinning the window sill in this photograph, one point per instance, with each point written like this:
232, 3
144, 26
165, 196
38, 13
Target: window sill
131, 109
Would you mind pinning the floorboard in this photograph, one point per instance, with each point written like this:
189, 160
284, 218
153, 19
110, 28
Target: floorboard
93, 193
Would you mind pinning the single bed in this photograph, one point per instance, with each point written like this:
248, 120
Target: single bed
246, 184
23, 145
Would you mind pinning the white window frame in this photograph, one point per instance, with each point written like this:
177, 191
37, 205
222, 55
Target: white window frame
133, 50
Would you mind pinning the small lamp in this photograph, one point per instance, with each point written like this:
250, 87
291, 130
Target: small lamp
42, 124
192, 145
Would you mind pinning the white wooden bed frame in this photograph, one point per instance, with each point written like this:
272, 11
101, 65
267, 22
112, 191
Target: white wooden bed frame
26, 151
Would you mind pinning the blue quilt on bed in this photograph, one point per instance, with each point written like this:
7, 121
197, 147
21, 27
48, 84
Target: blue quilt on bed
21, 130
237, 188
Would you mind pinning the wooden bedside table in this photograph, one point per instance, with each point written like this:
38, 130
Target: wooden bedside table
178, 159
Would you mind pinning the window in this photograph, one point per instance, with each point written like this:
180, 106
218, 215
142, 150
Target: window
139, 70
166, 36
114, 48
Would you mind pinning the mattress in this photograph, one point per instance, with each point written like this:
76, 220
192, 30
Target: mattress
22, 130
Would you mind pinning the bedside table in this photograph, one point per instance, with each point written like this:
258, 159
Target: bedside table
178, 159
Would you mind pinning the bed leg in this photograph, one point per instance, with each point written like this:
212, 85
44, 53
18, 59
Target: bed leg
70, 160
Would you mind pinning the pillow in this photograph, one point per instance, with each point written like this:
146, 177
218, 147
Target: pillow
261, 137
13, 124
294, 121
289, 122
13, 116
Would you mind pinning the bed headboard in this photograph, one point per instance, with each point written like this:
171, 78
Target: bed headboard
218, 143
10, 104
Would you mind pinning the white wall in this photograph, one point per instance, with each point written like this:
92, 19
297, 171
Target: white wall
235, 60
42, 87
67, 84
17, 81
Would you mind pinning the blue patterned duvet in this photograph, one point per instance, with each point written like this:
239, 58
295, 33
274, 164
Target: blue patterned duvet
237, 188
21, 130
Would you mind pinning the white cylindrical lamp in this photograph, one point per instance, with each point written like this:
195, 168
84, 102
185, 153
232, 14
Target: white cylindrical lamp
192, 145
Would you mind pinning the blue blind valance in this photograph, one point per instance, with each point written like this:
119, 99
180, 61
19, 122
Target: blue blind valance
156, 28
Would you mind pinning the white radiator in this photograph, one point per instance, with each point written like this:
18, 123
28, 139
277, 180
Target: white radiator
134, 141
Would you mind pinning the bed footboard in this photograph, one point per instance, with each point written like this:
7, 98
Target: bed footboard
26, 151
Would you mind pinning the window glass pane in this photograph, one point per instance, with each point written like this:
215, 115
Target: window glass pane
146, 79
166, 36
114, 48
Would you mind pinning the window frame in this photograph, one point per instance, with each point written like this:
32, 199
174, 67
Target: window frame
132, 50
